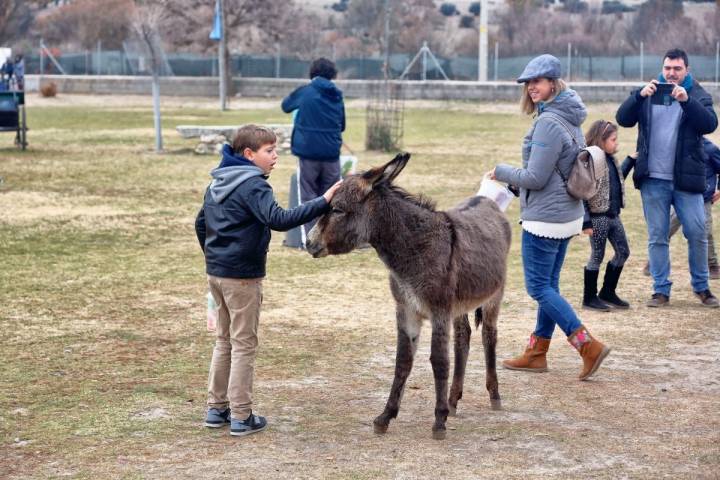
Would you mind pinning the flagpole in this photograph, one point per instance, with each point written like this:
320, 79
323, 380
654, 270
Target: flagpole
221, 57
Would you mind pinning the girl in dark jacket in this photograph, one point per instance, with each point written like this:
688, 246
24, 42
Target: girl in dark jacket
602, 219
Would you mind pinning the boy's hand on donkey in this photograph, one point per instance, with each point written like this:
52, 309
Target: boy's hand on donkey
331, 191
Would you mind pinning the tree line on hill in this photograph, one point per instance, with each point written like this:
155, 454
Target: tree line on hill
352, 28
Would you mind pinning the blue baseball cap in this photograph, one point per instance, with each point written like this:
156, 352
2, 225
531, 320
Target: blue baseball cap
544, 66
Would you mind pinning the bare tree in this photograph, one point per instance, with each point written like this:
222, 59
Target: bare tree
15, 17
85, 22
146, 22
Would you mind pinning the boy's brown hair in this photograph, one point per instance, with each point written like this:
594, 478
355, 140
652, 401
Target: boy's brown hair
599, 132
253, 137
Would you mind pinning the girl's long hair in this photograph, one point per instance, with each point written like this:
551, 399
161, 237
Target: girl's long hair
599, 132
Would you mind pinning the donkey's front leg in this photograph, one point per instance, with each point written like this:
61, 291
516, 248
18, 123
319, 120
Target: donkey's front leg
408, 334
440, 365
461, 332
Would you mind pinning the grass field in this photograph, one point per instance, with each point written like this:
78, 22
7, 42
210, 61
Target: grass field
105, 354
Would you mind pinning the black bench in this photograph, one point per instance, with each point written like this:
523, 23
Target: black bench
12, 116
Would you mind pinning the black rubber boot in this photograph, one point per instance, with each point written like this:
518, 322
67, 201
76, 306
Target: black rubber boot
590, 298
607, 294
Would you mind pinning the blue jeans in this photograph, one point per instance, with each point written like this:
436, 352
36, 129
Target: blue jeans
542, 261
657, 197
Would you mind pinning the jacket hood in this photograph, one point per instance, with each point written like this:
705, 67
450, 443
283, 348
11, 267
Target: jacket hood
567, 105
231, 159
327, 88
227, 179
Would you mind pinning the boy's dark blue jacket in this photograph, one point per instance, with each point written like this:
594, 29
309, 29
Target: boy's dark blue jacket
712, 168
698, 119
319, 122
239, 209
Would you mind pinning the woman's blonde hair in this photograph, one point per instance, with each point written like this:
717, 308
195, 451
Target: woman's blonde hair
526, 104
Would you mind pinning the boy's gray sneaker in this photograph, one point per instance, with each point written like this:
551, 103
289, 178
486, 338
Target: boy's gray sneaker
252, 424
708, 299
217, 418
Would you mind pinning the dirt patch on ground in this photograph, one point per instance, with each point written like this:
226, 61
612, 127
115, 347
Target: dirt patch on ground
18, 207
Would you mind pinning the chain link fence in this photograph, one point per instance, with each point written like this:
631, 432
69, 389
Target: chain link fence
582, 68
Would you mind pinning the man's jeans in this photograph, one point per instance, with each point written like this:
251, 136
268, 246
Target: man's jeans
675, 226
542, 261
657, 197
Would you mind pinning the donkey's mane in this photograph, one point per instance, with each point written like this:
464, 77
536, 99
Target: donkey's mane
420, 200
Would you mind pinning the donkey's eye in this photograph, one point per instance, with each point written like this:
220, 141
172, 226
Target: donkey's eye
337, 211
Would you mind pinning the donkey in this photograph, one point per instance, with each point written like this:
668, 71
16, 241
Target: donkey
442, 265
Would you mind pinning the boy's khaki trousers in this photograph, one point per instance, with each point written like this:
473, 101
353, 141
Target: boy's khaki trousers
233, 362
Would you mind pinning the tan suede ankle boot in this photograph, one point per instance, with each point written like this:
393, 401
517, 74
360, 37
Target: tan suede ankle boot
533, 359
592, 351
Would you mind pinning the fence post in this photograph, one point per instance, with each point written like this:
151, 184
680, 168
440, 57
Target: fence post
642, 62
98, 70
277, 60
424, 62
569, 57
483, 42
495, 62
42, 63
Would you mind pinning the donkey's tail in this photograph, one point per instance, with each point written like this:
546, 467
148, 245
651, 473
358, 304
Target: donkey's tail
478, 317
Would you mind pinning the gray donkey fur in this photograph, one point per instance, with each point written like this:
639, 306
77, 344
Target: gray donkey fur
442, 265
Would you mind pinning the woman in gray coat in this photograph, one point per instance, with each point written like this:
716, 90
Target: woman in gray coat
550, 216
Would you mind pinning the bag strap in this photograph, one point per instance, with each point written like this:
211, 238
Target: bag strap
557, 119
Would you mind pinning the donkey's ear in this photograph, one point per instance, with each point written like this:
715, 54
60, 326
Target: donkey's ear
387, 172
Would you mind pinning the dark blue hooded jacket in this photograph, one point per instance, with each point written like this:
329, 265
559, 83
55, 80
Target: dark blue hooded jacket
320, 121
239, 209
698, 119
712, 169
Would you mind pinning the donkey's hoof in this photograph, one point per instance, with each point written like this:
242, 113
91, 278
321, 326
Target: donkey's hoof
496, 404
452, 411
439, 434
379, 429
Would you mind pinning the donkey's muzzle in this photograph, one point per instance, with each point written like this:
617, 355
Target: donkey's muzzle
313, 244
316, 250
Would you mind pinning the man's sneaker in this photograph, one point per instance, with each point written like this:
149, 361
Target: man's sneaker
708, 299
714, 272
217, 418
658, 300
252, 424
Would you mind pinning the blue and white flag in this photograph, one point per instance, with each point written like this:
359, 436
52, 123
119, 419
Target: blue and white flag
217, 31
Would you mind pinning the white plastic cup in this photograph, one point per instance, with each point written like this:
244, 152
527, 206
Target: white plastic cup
212, 313
496, 191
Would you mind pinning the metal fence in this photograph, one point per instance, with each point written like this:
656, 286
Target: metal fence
619, 68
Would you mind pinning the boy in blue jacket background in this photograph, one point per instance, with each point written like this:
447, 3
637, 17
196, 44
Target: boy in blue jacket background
317, 132
233, 228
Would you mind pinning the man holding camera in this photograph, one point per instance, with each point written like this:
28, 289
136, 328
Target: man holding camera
673, 114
